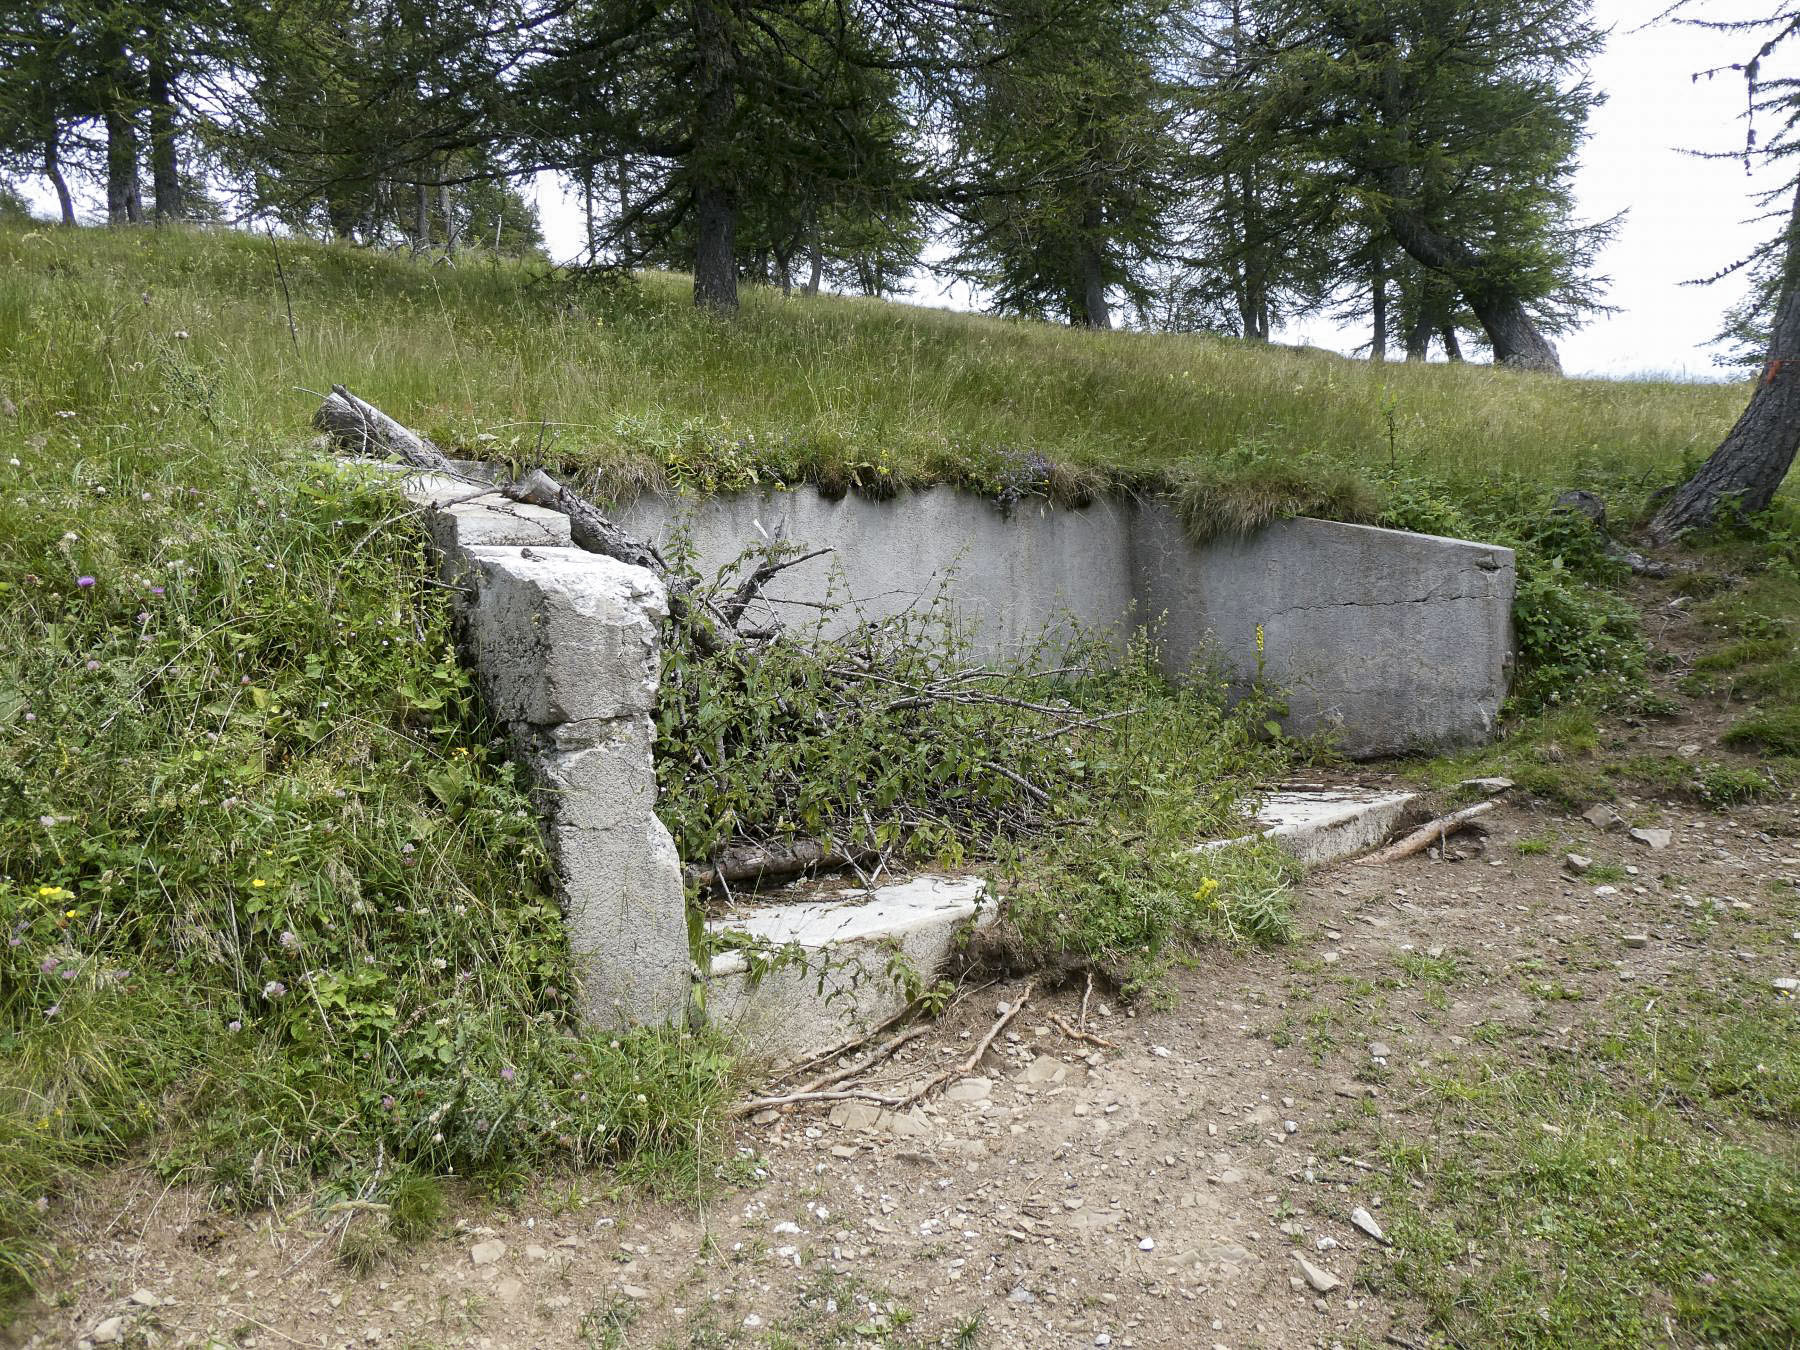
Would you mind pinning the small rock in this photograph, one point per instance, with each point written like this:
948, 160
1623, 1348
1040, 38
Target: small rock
144, 1298
1021, 1294
843, 1150
536, 1253
1322, 1281
1487, 785
969, 1090
1361, 1218
1160, 1051
109, 1332
768, 1117
1379, 1050
634, 1291
1578, 863
1603, 817
486, 1253
1326, 1243
1146, 1244
1788, 986
508, 1290
1688, 751
1604, 891
786, 1226
1044, 1069
1653, 839
1636, 940
1103, 1340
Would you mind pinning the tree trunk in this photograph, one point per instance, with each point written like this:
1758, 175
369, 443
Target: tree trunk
1510, 331
587, 207
421, 217
443, 196
53, 171
1743, 474
815, 253
165, 162
715, 202
1091, 264
1378, 310
1447, 334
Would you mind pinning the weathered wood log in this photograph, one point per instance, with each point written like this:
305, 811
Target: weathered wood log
752, 863
1427, 835
362, 428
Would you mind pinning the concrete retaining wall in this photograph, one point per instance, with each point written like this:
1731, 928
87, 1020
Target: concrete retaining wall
1393, 641
1389, 641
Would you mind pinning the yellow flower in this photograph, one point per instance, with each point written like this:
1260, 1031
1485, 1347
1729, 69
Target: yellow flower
259, 883
1259, 639
68, 914
1208, 886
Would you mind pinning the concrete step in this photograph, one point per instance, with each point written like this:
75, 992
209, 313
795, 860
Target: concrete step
1322, 824
824, 970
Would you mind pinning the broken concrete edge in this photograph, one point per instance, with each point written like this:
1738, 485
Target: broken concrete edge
566, 646
813, 976
1326, 826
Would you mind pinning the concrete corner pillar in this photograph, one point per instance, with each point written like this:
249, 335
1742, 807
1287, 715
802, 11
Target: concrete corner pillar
568, 650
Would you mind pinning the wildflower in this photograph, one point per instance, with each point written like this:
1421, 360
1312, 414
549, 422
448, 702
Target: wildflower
43, 1201
68, 972
143, 616
438, 963
258, 883
508, 1074
31, 717
47, 821
15, 942
234, 1026
1259, 639
93, 664
1208, 887
50, 963
14, 461
274, 989
64, 414
52, 1010
406, 848
68, 914
156, 590
84, 582
289, 940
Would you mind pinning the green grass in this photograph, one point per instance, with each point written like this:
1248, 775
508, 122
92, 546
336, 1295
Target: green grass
638, 387
1643, 1192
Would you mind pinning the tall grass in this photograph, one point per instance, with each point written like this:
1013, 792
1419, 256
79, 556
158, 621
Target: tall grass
636, 386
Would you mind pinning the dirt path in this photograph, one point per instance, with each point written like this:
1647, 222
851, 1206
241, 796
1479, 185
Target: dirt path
1156, 1193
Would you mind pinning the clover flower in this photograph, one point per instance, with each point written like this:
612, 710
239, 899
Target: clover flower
274, 989
84, 582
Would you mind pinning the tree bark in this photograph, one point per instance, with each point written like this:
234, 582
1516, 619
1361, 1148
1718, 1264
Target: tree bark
421, 218
443, 196
165, 162
1510, 330
1447, 335
815, 253
1743, 474
122, 200
1378, 311
53, 171
715, 203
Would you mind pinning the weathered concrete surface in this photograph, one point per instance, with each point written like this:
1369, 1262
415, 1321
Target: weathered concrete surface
1326, 824
848, 962
1391, 641
567, 646
568, 649
1009, 581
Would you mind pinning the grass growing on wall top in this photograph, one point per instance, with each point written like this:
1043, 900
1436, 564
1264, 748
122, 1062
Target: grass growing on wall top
640, 388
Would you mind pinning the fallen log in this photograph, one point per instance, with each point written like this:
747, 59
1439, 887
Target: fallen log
1427, 835
364, 429
753, 863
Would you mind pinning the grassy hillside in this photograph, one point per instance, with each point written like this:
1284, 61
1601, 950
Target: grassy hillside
635, 386
272, 896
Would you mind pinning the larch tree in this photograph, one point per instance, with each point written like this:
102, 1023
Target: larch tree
1742, 476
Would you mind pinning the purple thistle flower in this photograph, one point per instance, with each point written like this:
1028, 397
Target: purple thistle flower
84, 582
387, 1103
156, 590
68, 972
508, 1073
49, 966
